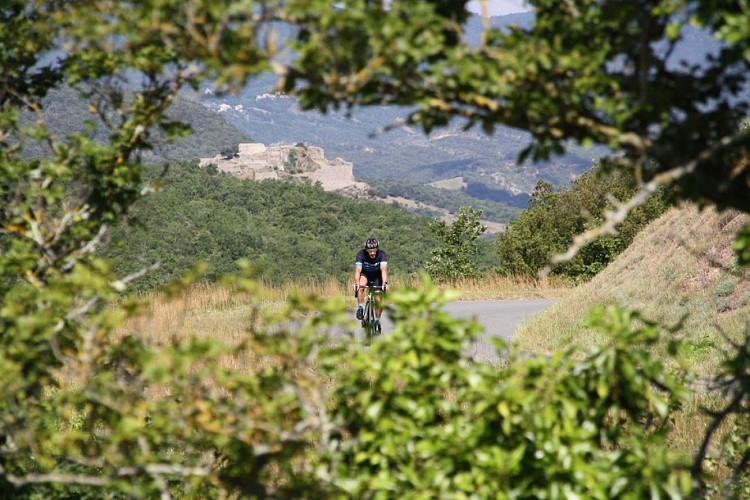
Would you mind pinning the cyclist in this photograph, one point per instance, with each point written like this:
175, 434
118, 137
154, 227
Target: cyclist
370, 268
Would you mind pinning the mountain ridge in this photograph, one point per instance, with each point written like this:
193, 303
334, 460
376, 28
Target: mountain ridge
407, 154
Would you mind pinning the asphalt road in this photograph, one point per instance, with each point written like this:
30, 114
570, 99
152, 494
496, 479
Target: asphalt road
500, 318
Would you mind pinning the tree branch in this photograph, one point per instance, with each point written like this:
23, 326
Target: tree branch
154, 470
615, 217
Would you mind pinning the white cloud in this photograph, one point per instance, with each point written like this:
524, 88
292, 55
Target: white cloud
499, 7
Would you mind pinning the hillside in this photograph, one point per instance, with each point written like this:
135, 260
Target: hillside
681, 267
290, 231
65, 113
309, 164
403, 153
212, 135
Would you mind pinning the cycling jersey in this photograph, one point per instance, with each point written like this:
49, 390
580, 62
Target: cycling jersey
371, 266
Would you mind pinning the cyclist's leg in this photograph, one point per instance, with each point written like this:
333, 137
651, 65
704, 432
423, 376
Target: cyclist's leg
361, 295
363, 280
377, 281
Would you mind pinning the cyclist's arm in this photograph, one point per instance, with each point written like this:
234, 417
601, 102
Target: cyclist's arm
384, 271
357, 272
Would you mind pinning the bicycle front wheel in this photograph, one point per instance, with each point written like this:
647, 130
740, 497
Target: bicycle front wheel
369, 315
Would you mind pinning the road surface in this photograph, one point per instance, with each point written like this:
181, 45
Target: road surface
500, 318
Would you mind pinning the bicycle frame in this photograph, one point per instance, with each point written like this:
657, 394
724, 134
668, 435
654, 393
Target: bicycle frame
368, 320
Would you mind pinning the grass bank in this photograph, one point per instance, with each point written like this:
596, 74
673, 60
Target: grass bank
213, 310
680, 270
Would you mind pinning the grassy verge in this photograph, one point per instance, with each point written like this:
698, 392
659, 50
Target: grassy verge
681, 272
213, 310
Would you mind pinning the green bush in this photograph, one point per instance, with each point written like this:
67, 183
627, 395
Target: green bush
555, 217
412, 414
455, 257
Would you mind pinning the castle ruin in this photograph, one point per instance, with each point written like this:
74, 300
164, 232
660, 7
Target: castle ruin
257, 161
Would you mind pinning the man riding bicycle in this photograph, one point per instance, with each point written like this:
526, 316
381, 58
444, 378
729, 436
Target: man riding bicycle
370, 268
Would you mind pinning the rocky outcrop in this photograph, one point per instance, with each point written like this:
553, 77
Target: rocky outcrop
258, 162
308, 163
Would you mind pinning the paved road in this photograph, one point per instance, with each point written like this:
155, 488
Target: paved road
500, 318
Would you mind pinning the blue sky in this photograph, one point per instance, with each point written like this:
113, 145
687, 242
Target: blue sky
500, 7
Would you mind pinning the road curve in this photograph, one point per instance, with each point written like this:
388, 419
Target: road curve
499, 318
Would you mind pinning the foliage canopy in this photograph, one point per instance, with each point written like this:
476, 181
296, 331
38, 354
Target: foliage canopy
585, 71
455, 256
555, 217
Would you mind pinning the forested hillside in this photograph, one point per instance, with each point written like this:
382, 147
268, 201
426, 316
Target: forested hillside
294, 231
289, 230
65, 112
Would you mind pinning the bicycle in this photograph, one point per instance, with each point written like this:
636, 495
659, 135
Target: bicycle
368, 319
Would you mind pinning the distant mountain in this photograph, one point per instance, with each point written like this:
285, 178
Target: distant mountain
401, 153
65, 113
487, 163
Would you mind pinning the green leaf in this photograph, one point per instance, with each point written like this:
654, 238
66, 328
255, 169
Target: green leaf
741, 246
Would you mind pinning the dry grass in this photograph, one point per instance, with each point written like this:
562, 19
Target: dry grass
214, 311
208, 310
681, 268
505, 288
686, 431
217, 312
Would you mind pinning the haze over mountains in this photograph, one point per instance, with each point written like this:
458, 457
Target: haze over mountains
486, 163
446, 169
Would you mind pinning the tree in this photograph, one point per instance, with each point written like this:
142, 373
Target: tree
602, 72
455, 258
230, 152
554, 218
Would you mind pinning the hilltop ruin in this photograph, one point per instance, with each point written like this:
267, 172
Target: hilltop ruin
257, 161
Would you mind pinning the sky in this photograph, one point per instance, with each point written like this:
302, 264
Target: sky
500, 7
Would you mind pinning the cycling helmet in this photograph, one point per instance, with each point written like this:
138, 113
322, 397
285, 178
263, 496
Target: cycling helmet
371, 244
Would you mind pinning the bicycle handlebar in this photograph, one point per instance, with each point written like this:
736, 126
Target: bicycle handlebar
372, 287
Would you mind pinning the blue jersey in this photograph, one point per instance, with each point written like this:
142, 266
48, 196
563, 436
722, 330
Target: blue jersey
371, 266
